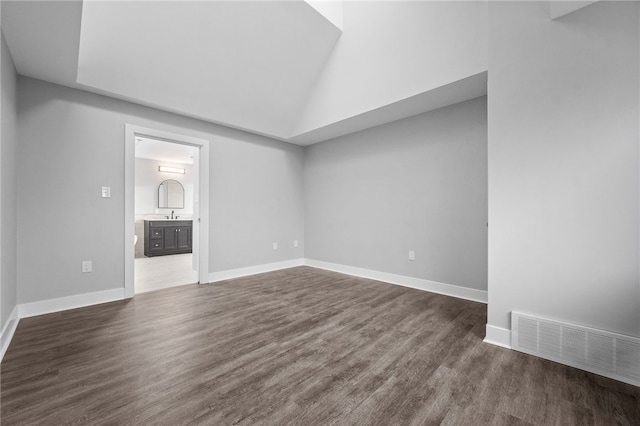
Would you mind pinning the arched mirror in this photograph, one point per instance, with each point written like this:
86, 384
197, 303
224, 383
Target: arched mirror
171, 195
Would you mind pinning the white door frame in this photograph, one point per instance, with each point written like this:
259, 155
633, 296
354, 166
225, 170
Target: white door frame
200, 217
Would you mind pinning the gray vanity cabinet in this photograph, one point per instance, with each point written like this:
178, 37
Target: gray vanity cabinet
163, 237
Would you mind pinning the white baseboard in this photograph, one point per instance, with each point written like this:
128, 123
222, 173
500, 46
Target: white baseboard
253, 270
70, 302
498, 336
8, 330
26, 310
417, 283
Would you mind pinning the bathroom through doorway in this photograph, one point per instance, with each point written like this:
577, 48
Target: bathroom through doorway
166, 208
165, 174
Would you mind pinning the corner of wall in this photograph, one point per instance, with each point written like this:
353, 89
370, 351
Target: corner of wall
8, 194
498, 336
8, 331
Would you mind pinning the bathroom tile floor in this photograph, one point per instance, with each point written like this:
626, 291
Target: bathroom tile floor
154, 273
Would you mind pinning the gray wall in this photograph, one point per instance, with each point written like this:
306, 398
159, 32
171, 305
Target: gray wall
416, 184
72, 144
8, 278
563, 164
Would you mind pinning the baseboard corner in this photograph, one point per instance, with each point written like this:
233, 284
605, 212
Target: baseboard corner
253, 270
498, 336
8, 331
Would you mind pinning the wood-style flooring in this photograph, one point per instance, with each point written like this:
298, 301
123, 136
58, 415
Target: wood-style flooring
300, 346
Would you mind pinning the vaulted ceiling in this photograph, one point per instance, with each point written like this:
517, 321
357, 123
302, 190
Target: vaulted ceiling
250, 65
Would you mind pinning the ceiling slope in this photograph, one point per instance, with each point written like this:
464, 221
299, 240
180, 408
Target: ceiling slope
558, 9
293, 70
250, 65
440, 97
43, 37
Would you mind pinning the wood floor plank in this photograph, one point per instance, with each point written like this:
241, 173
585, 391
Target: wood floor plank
299, 346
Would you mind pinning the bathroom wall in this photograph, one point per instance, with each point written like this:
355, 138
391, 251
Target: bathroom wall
76, 140
148, 178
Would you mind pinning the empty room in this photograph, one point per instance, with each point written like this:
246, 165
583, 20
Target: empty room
320, 212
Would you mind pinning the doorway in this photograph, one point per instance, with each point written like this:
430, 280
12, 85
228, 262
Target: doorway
164, 203
174, 195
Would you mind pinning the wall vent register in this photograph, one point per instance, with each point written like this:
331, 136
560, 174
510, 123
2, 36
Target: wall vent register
612, 355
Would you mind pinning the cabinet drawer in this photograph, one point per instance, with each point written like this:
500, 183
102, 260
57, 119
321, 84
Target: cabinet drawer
156, 245
156, 233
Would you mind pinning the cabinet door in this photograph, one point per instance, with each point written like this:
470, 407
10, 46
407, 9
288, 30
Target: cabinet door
184, 237
170, 238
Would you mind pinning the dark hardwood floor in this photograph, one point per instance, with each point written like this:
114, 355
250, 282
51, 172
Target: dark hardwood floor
299, 346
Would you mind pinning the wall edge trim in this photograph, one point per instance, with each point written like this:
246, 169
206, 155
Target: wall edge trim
498, 336
48, 306
416, 283
495, 335
253, 270
8, 331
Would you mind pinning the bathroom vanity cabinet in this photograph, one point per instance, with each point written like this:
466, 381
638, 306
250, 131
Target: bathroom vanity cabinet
163, 237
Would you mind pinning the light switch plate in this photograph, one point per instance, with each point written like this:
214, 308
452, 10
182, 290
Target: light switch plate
106, 192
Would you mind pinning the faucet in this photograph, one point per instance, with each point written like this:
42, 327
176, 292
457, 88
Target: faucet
171, 214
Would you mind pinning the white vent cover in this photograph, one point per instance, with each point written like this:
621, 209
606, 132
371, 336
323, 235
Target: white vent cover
609, 354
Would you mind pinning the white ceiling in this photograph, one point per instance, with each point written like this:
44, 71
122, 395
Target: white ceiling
43, 38
249, 65
168, 152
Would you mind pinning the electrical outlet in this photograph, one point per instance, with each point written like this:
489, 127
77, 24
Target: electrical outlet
412, 255
295, 243
87, 266
275, 246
